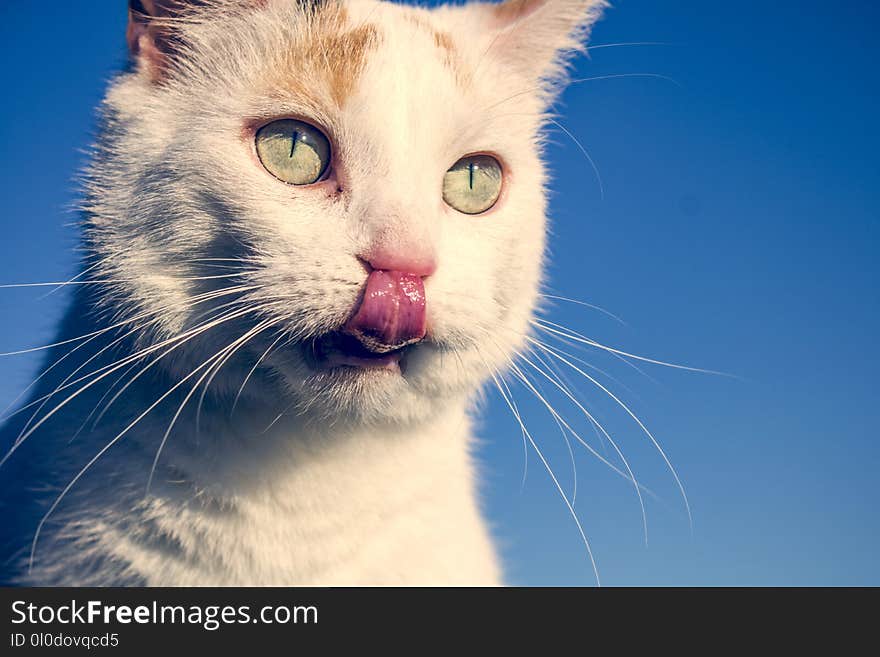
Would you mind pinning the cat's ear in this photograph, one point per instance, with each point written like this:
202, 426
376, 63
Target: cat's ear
150, 32
153, 32
538, 37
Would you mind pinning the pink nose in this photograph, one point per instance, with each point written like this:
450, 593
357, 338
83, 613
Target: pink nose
410, 257
392, 312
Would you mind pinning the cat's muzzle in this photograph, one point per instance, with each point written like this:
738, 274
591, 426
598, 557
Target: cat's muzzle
389, 317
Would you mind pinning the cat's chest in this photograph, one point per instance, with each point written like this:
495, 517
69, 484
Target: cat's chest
352, 514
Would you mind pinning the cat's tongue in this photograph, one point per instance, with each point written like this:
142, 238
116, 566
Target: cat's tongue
392, 313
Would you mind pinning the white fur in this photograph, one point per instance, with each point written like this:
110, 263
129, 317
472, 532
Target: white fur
364, 479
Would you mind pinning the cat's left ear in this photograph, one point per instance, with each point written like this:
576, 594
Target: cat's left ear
538, 37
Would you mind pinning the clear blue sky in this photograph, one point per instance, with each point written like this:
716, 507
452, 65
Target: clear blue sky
738, 232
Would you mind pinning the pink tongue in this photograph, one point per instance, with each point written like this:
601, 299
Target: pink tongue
392, 313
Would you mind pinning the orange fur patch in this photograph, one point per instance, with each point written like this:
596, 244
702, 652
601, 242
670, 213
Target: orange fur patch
444, 42
329, 53
451, 58
345, 56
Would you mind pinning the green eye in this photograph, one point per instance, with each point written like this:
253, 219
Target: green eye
473, 184
293, 151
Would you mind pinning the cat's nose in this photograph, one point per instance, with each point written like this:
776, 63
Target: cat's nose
391, 313
414, 259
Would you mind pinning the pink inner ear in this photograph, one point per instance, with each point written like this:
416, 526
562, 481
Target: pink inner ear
135, 33
511, 11
144, 38
142, 43
148, 39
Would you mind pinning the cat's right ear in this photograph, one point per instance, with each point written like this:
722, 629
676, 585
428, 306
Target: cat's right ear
155, 28
150, 33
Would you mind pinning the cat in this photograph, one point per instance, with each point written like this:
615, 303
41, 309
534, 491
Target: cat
313, 232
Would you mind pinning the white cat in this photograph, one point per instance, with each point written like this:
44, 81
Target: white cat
313, 231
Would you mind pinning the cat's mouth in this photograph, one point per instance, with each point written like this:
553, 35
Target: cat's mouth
388, 319
343, 349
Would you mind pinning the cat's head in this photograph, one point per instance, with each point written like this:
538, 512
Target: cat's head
345, 198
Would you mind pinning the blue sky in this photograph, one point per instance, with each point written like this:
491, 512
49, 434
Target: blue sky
738, 232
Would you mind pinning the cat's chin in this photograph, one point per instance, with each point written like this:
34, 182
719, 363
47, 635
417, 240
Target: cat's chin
327, 377
339, 350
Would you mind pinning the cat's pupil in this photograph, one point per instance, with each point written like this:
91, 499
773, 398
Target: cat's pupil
293, 141
471, 175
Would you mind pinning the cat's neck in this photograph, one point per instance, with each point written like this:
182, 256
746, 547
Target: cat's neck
367, 508
336, 509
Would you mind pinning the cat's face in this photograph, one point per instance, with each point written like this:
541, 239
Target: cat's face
282, 166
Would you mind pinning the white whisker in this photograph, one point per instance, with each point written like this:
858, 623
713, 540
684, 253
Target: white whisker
549, 470
112, 281
628, 43
252, 370
631, 475
97, 456
214, 369
220, 357
578, 302
585, 153
176, 342
632, 415
558, 329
